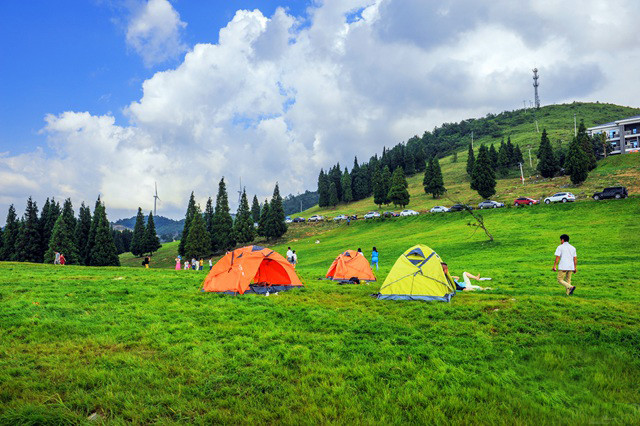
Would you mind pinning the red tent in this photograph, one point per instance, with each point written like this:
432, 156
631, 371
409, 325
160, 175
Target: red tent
350, 264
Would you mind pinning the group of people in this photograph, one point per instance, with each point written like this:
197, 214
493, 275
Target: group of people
59, 259
194, 264
292, 257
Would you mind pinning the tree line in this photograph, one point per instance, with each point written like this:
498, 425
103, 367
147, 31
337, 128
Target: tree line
85, 240
214, 230
144, 237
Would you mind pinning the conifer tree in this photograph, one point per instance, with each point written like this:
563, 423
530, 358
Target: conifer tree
547, 165
138, 241
81, 234
517, 152
69, 215
363, 180
103, 252
587, 146
379, 195
398, 193
409, 162
263, 224
151, 240
29, 246
276, 224
355, 190
483, 179
243, 226
577, 163
117, 240
46, 224
347, 194
386, 183
191, 207
92, 232
61, 241
335, 176
433, 182
10, 236
198, 241
208, 216
493, 156
222, 237
333, 195
44, 215
511, 152
471, 159
255, 210
1, 244
503, 159
323, 189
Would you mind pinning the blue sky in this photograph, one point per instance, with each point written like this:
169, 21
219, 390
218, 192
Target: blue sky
72, 55
111, 96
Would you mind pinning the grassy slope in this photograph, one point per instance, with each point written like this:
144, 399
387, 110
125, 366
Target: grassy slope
558, 120
145, 346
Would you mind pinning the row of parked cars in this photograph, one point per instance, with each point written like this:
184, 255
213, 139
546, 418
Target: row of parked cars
616, 192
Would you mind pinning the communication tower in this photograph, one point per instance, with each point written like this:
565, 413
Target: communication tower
535, 87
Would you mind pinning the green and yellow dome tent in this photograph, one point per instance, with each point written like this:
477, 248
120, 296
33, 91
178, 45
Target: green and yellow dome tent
418, 275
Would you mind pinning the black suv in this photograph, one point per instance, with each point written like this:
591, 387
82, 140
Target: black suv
459, 208
616, 192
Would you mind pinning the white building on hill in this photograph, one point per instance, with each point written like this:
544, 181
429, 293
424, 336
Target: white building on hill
623, 135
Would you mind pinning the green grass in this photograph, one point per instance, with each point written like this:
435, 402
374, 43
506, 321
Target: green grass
145, 346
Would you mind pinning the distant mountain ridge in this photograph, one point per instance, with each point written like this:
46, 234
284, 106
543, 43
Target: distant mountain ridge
167, 229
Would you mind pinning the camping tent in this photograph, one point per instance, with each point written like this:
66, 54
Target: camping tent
418, 275
348, 265
251, 269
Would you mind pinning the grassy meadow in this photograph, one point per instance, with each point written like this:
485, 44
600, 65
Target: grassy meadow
145, 346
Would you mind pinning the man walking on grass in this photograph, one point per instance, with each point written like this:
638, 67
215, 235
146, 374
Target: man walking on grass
566, 263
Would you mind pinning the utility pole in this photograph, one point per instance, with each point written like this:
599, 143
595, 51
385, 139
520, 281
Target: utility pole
530, 161
521, 173
524, 103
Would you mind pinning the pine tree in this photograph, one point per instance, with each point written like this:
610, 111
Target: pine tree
208, 216
29, 246
577, 163
243, 226
386, 183
434, 185
518, 155
10, 236
138, 240
222, 237
104, 251
69, 215
191, 207
335, 176
151, 240
91, 240
276, 224
62, 242
398, 193
587, 146
503, 159
347, 193
127, 236
493, 156
409, 162
255, 210
1, 244
198, 241
333, 195
511, 153
81, 234
117, 240
323, 189
471, 159
263, 223
355, 190
379, 194
45, 234
363, 180
47, 223
483, 179
547, 165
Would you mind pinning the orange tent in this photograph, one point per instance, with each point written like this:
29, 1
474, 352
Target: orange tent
350, 264
251, 269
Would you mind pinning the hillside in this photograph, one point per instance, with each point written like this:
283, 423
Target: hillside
165, 227
145, 346
520, 126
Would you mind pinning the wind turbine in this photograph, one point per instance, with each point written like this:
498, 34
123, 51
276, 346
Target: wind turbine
240, 193
155, 198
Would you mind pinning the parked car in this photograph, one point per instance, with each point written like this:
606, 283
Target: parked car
439, 209
409, 212
459, 207
353, 217
560, 197
340, 217
298, 219
390, 214
490, 204
616, 192
525, 201
287, 219
315, 218
371, 215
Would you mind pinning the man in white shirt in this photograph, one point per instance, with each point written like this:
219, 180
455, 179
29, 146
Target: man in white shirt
566, 263
289, 255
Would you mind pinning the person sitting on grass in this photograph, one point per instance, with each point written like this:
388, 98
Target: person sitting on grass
466, 285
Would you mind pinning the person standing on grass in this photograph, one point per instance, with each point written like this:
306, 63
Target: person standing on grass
294, 258
201, 264
566, 263
63, 261
210, 263
374, 258
56, 261
289, 255
178, 263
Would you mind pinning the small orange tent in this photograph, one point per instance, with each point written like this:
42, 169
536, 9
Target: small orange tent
348, 265
251, 269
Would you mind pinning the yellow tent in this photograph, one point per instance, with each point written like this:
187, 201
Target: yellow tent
418, 275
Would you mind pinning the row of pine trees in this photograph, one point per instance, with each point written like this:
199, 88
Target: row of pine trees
215, 231
85, 240
144, 239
